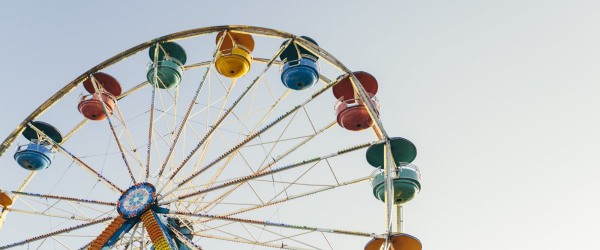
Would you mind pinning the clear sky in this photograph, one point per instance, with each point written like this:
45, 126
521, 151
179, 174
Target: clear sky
500, 97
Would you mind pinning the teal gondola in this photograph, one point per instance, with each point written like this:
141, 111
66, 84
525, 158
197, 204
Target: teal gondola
406, 184
169, 65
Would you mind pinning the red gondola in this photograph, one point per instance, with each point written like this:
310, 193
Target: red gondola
108, 89
351, 111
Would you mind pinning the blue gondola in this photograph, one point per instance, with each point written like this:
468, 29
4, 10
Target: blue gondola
38, 154
300, 70
34, 156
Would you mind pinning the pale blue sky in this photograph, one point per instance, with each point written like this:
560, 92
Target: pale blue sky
500, 97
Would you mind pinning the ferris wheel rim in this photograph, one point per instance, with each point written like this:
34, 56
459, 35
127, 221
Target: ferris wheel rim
140, 47
136, 49
171, 37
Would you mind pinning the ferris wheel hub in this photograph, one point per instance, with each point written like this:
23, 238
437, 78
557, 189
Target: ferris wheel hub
136, 200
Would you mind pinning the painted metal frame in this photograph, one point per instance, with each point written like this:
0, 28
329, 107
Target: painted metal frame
309, 46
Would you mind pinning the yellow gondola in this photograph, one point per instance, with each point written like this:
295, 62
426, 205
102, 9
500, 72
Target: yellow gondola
233, 59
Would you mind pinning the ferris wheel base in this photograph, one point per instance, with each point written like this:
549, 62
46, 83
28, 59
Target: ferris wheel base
157, 231
112, 233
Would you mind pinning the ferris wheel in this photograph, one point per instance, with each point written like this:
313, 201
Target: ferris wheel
226, 137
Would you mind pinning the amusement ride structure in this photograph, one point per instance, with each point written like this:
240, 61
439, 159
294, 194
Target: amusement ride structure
219, 143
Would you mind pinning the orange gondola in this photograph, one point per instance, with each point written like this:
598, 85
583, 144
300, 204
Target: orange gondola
397, 242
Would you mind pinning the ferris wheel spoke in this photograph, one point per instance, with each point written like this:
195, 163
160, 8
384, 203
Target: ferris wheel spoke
16, 197
273, 162
291, 197
229, 110
278, 224
85, 247
129, 244
95, 84
121, 56
162, 137
46, 214
250, 132
263, 143
270, 109
60, 242
248, 232
150, 131
63, 214
220, 80
174, 140
221, 118
225, 231
168, 91
152, 103
268, 154
19, 192
167, 112
214, 204
32, 173
220, 229
136, 235
208, 228
312, 125
191, 106
211, 181
45, 208
48, 196
254, 240
77, 160
378, 126
284, 190
238, 240
143, 241
189, 243
282, 237
74, 130
270, 172
133, 148
168, 129
249, 138
57, 232
207, 137
187, 67
301, 195
216, 147
207, 107
78, 209
134, 89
